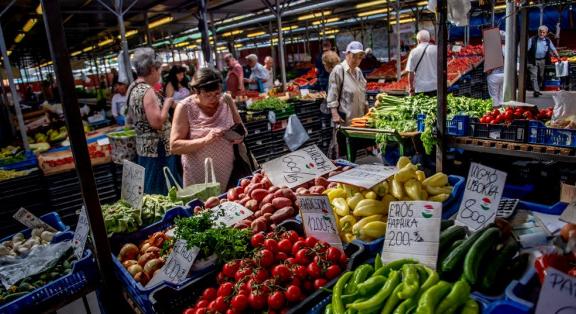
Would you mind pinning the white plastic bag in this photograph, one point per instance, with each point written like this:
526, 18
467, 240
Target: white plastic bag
295, 135
561, 68
458, 12
564, 105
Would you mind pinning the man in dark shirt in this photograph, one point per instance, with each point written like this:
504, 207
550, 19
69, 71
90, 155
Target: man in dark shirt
323, 75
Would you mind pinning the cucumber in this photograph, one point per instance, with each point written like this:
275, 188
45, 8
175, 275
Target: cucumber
448, 236
477, 251
456, 257
444, 224
444, 254
498, 264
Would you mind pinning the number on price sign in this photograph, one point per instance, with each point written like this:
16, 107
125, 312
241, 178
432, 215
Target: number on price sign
30, 220
132, 183
318, 218
81, 233
177, 265
558, 293
365, 176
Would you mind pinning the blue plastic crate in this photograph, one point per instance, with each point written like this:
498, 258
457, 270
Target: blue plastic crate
451, 205
84, 273
538, 133
551, 83
459, 125
517, 191
138, 293
30, 161
420, 127
52, 219
555, 209
521, 295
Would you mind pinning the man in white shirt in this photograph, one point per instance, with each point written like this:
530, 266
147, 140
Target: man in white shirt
258, 77
269, 66
421, 66
119, 108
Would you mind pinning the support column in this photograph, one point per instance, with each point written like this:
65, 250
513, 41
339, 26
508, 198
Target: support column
15, 97
203, 26
388, 31
61, 58
272, 49
523, 50
127, 65
398, 51
147, 30
281, 45
510, 55
215, 39
442, 83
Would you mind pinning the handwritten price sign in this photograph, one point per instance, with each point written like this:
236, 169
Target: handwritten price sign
298, 167
30, 220
177, 265
318, 218
365, 176
81, 233
484, 187
558, 294
230, 213
413, 231
132, 183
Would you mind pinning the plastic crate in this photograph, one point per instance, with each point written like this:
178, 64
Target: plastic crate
521, 295
538, 133
555, 209
84, 272
307, 107
138, 293
420, 122
452, 204
52, 219
257, 127
517, 191
517, 131
29, 161
459, 125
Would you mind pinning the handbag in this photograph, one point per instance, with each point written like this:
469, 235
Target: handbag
201, 191
244, 164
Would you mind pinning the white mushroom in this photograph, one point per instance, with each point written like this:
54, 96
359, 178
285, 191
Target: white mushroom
47, 236
4, 251
36, 232
23, 250
18, 237
7, 244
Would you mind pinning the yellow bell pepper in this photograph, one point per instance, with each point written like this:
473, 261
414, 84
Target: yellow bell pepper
347, 237
358, 225
368, 207
381, 188
413, 188
354, 200
350, 190
420, 175
340, 206
371, 195
397, 190
336, 193
423, 194
347, 222
439, 198
374, 230
437, 180
433, 190
406, 198
386, 200
402, 162
406, 173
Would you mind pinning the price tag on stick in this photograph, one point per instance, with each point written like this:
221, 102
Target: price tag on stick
31, 221
318, 219
413, 231
132, 183
81, 234
229, 213
177, 265
484, 187
558, 293
364, 176
298, 167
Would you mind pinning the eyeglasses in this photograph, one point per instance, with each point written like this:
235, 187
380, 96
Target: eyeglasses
211, 91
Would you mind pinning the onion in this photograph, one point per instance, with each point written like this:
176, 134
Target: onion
144, 247
151, 266
154, 250
157, 239
129, 263
141, 278
134, 269
128, 251
145, 258
36, 232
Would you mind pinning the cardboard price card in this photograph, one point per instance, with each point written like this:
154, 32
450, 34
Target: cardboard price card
298, 167
177, 265
365, 176
229, 213
81, 233
132, 183
318, 219
31, 221
558, 293
413, 231
484, 187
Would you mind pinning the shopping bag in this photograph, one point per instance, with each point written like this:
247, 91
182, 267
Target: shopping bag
295, 134
561, 68
201, 191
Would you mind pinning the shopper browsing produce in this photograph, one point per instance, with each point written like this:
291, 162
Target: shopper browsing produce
235, 76
323, 72
269, 66
347, 87
539, 50
151, 123
177, 83
421, 66
496, 79
201, 129
119, 103
258, 77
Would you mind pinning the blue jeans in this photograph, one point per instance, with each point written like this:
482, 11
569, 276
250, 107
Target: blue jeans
154, 182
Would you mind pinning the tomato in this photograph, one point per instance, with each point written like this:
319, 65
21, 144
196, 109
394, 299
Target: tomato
202, 310
220, 304
230, 268
300, 271
508, 115
488, 119
202, 303
483, 120
239, 302
528, 115
266, 258
493, 122
190, 311
332, 271
211, 306
343, 260
271, 245
281, 256
293, 293
276, 300
230, 311
290, 261
311, 241
281, 272
260, 275
297, 246
209, 294
496, 112
257, 240
333, 254
308, 285
319, 283
257, 301
302, 256
225, 289
242, 273
221, 278
285, 246
313, 270
295, 282
291, 235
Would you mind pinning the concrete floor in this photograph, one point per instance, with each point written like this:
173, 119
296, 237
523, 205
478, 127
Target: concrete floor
544, 101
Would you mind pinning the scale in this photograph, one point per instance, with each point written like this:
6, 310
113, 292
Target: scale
507, 207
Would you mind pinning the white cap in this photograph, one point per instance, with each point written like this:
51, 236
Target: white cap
252, 57
355, 47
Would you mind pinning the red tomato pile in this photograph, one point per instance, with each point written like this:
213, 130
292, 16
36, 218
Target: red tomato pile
284, 270
309, 78
510, 114
470, 50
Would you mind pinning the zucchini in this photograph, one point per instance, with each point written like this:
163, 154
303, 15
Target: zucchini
445, 224
456, 257
498, 264
477, 251
448, 236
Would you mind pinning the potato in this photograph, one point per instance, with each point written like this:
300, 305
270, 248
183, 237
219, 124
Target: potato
198, 209
244, 200
317, 189
302, 191
257, 178
239, 190
212, 202
232, 195
257, 213
268, 208
258, 194
241, 225
268, 199
266, 184
267, 217
288, 193
281, 202
244, 182
251, 204
273, 189
282, 214
252, 187
258, 225
321, 181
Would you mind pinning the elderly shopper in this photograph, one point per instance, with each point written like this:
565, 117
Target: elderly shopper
422, 65
347, 87
495, 79
540, 48
235, 76
258, 76
149, 115
269, 66
202, 126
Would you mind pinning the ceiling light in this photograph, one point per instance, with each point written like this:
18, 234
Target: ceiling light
314, 15
182, 44
105, 42
9, 52
220, 49
422, 3
334, 19
29, 24
75, 53
192, 47
332, 31
373, 12
88, 49
39, 9
409, 20
256, 34
238, 45
159, 22
129, 34
232, 33
500, 7
369, 4
19, 37
289, 28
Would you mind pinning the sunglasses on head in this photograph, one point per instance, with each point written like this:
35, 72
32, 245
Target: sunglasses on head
208, 87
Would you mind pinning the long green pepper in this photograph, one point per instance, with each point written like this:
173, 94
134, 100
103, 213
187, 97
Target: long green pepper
337, 304
328, 309
392, 301
377, 262
410, 280
395, 265
470, 307
431, 297
457, 296
432, 279
380, 296
406, 306
360, 274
